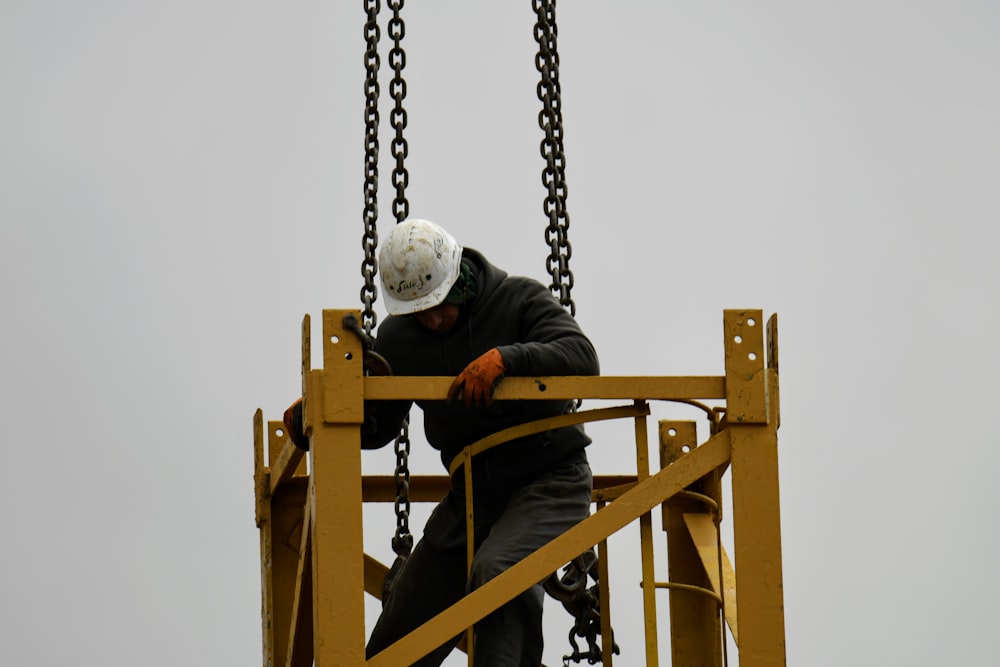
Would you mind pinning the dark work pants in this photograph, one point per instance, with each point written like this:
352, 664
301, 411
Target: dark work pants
434, 576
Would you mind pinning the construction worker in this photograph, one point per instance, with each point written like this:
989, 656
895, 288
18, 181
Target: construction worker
453, 313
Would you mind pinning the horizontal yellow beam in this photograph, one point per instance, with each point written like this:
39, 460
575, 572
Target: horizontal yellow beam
431, 488
429, 388
509, 584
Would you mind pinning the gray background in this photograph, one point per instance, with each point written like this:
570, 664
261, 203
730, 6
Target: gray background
180, 182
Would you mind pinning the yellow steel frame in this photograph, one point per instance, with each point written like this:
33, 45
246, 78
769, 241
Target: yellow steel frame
314, 572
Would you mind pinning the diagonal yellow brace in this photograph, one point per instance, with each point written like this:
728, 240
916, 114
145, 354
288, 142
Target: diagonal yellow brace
630, 506
705, 538
300, 633
289, 462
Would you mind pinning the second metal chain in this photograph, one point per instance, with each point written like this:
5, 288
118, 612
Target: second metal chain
397, 88
369, 267
402, 542
554, 174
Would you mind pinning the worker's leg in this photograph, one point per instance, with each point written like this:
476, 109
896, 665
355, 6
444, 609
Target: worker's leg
431, 581
536, 513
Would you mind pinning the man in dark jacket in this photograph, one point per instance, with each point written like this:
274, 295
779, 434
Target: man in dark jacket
452, 313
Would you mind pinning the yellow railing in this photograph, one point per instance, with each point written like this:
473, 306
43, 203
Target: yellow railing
315, 574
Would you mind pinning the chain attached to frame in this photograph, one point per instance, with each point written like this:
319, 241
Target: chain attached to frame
402, 542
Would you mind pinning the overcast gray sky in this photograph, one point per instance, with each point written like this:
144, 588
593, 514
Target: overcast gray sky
180, 182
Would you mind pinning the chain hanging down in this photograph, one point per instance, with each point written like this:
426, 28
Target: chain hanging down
402, 541
398, 119
369, 241
554, 174
581, 602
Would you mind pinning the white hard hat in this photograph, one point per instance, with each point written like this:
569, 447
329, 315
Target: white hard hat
418, 263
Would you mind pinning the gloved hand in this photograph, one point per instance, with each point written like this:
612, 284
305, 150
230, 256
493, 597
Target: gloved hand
476, 383
293, 425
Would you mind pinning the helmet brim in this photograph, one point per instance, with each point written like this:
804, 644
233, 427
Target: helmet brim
433, 298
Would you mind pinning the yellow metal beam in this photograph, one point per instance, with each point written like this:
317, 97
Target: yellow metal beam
772, 366
300, 645
646, 545
333, 415
757, 540
262, 487
375, 573
752, 388
695, 627
604, 595
542, 425
746, 394
505, 587
554, 388
281, 524
704, 535
431, 488
314, 523
291, 460
261, 474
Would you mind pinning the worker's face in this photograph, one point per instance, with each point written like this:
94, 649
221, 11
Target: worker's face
440, 319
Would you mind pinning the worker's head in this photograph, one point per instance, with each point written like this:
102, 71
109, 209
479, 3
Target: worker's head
419, 263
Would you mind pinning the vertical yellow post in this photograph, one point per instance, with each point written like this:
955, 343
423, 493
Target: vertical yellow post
646, 548
751, 397
604, 593
334, 411
263, 516
695, 626
280, 520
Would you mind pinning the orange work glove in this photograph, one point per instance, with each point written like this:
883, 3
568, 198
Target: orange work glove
293, 425
475, 384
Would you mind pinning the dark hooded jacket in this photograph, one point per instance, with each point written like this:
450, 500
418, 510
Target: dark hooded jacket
536, 337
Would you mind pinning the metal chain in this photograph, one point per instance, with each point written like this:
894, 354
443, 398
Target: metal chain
369, 267
397, 88
402, 542
554, 174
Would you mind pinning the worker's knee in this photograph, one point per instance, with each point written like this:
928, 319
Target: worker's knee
483, 569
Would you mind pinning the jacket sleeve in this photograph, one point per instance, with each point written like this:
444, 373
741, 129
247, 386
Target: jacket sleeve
383, 421
552, 342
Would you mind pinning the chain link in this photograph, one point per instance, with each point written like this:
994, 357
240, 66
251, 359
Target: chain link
402, 542
398, 119
554, 174
369, 242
